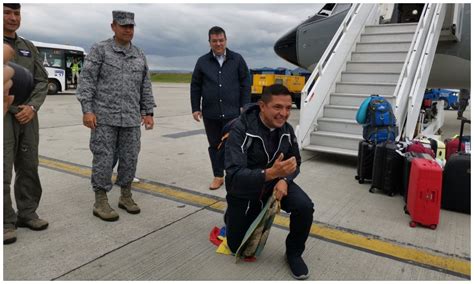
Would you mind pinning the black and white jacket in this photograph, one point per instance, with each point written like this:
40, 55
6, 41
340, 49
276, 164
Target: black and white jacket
245, 162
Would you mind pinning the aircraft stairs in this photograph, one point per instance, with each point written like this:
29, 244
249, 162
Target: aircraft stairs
367, 58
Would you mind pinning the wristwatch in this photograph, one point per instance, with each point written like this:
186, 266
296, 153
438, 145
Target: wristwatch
33, 108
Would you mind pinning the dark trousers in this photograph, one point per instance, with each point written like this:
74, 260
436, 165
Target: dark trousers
20, 150
213, 129
241, 213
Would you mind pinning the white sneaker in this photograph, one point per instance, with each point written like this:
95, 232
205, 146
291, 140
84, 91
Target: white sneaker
135, 179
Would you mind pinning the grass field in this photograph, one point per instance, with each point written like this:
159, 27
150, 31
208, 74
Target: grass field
171, 77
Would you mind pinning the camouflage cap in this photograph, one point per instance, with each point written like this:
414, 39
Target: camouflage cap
123, 18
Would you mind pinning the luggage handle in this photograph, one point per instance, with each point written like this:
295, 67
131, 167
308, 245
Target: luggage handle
461, 132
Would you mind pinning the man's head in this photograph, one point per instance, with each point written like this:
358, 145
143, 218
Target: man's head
275, 105
217, 40
11, 18
123, 26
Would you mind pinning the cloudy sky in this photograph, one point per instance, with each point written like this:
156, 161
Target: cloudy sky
172, 35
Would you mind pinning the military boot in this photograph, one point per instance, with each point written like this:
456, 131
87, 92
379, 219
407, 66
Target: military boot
102, 208
126, 202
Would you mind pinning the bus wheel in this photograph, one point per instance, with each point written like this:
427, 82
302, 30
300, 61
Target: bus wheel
53, 88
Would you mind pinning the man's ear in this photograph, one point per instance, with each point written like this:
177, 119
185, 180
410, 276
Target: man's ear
261, 104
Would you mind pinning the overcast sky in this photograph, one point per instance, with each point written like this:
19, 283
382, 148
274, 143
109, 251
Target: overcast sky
173, 36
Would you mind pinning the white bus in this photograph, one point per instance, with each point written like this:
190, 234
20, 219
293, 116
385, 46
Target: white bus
58, 60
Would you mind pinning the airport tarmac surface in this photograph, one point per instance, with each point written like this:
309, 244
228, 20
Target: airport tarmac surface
356, 235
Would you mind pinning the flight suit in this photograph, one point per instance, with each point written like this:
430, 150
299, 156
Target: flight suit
20, 142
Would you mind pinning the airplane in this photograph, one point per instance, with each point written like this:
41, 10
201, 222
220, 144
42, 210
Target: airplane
304, 44
394, 50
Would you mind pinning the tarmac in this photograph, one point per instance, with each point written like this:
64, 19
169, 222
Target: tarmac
356, 235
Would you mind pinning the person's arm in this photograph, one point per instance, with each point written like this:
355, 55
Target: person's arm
147, 102
245, 182
87, 88
244, 78
196, 88
294, 152
40, 77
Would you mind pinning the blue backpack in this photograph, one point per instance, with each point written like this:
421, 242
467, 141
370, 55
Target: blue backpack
380, 122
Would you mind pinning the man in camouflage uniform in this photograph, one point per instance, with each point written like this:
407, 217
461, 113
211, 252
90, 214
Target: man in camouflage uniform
116, 96
21, 134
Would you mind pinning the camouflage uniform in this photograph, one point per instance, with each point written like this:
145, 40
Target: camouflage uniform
20, 141
115, 86
464, 96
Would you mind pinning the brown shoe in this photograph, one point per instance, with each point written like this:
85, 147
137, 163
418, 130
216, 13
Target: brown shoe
33, 224
216, 183
9, 236
102, 208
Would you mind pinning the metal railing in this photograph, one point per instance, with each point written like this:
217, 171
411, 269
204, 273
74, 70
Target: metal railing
422, 73
319, 85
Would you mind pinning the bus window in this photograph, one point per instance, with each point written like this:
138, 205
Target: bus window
52, 57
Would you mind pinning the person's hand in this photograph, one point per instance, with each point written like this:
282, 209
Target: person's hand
89, 120
281, 189
25, 115
8, 53
148, 121
197, 116
281, 168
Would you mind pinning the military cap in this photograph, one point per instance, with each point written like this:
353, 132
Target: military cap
14, 6
123, 18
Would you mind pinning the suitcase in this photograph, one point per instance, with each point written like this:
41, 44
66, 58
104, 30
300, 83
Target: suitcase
365, 161
424, 193
409, 156
439, 148
387, 169
457, 180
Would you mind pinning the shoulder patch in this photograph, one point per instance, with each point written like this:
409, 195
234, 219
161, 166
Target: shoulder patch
24, 52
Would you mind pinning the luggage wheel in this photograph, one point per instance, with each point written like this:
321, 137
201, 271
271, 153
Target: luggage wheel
412, 224
391, 194
372, 189
405, 209
361, 181
433, 227
356, 177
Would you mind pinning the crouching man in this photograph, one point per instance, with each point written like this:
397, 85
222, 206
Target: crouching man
262, 157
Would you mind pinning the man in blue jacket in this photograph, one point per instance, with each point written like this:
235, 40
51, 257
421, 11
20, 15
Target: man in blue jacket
262, 157
220, 87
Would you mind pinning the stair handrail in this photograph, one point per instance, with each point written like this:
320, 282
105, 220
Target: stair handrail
406, 78
330, 64
417, 91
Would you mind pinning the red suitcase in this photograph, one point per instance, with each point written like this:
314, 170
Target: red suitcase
424, 193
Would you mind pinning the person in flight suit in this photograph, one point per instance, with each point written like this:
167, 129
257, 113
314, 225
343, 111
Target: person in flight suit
21, 134
116, 96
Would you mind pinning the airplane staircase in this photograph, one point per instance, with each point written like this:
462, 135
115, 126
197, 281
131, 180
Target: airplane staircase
375, 63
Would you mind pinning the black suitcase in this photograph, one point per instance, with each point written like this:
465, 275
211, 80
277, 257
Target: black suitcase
456, 195
387, 169
365, 161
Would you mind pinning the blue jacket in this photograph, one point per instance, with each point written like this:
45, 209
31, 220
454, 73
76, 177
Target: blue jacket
219, 92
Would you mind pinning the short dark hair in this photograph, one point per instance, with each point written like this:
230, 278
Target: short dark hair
14, 6
216, 31
274, 90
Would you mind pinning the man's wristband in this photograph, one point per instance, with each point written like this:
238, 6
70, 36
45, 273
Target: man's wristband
149, 114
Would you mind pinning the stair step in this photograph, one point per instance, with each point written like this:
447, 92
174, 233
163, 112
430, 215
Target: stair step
386, 37
340, 125
331, 150
391, 28
383, 46
379, 77
374, 66
349, 99
379, 56
366, 87
331, 139
340, 111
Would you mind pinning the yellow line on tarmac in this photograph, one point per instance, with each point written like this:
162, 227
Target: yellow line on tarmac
387, 248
